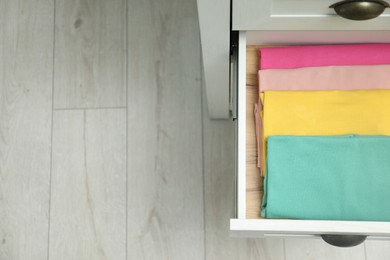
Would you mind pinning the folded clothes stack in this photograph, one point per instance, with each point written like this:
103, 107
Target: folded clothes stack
310, 98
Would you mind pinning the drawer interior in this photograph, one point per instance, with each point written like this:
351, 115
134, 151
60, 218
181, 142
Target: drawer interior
248, 222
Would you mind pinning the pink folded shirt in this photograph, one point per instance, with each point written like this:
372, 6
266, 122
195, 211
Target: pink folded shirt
326, 78
324, 55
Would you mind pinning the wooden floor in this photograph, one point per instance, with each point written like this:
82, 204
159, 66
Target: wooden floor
106, 149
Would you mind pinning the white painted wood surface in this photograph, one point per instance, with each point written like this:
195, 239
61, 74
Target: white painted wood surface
214, 21
26, 48
165, 199
88, 192
241, 129
259, 227
316, 37
306, 15
90, 60
319, 250
377, 250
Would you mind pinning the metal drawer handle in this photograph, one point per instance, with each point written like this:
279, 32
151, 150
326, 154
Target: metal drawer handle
344, 240
360, 9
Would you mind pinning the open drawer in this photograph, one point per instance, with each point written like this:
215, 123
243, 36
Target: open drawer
248, 222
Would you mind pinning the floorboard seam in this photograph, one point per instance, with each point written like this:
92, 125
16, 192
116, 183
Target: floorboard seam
52, 128
127, 126
89, 108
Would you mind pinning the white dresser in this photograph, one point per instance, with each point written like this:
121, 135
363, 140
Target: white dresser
226, 31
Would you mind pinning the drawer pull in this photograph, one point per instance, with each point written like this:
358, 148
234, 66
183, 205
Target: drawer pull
360, 9
344, 240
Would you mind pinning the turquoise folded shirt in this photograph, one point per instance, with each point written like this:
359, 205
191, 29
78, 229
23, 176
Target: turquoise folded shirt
328, 178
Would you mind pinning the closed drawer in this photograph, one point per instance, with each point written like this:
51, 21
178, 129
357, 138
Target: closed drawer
249, 183
311, 15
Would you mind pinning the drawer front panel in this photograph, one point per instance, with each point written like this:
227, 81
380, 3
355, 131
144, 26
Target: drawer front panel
298, 15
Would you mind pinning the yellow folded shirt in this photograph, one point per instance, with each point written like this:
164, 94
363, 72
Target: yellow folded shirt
322, 113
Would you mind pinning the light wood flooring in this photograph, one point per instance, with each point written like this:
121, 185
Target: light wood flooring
106, 149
